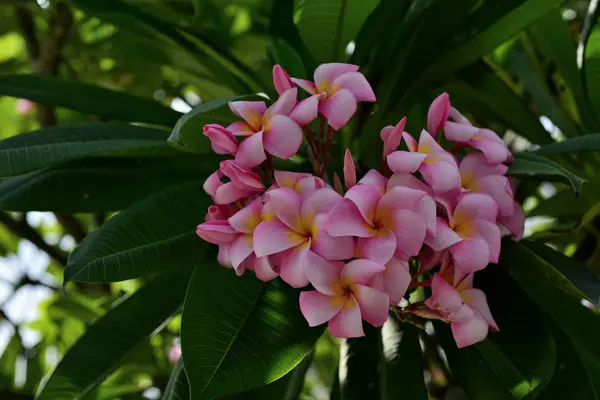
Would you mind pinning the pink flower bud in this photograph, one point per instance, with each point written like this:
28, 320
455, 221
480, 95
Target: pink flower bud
349, 170
281, 79
217, 232
438, 114
222, 141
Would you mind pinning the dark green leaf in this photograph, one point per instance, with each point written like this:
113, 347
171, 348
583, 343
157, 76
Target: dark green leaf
105, 343
589, 56
35, 150
286, 56
563, 204
534, 165
154, 234
359, 358
8, 361
178, 387
239, 326
589, 142
87, 99
402, 365
100, 184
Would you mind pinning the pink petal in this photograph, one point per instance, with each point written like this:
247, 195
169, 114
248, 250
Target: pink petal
349, 170
240, 249
443, 296
274, 237
409, 229
470, 255
248, 217
467, 333
400, 197
318, 308
366, 197
217, 232
473, 206
345, 220
458, 117
264, 270
428, 210
461, 133
491, 233
230, 193
293, 265
283, 105
282, 137
463, 315
442, 176
306, 110
212, 183
408, 180
396, 280
320, 201
360, 272
474, 166
223, 256
281, 79
438, 113
323, 275
405, 161
374, 177
241, 177
326, 73
289, 179
498, 188
338, 109
348, 322
427, 144
251, 111
251, 151
492, 147
217, 212
379, 248
374, 305
391, 136
411, 143
309, 86
444, 236
357, 84
332, 248
287, 206
307, 186
514, 223
222, 140
240, 128
478, 301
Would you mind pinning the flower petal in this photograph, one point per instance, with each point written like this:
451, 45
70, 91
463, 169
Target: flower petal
461, 133
470, 255
230, 193
306, 110
357, 84
240, 128
348, 322
366, 197
281, 79
274, 237
240, 249
410, 141
293, 265
241, 177
264, 270
323, 275
408, 180
467, 333
332, 248
400, 197
492, 147
349, 170
474, 206
443, 176
318, 308
478, 301
339, 108
251, 111
217, 232
282, 137
222, 140
379, 248
287, 206
443, 296
410, 229
438, 113
309, 86
345, 220
326, 73
491, 233
212, 183
251, 151
474, 166
320, 201
283, 105
514, 223
405, 161
374, 305
374, 177
396, 279
223, 256
360, 271
498, 188
444, 236
391, 136
247, 219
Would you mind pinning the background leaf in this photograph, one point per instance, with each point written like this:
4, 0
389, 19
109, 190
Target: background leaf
359, 360
533, 165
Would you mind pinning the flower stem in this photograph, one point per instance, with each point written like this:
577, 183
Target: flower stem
326, 154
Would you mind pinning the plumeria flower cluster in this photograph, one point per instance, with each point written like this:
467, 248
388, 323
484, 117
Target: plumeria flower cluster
430, 217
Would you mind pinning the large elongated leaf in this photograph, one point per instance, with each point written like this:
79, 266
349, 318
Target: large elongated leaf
105, 343
402, 365
34, 150
590, 142
534, 165
87, 99
155, 233
238, 333
358, 372
99, 184
589, 56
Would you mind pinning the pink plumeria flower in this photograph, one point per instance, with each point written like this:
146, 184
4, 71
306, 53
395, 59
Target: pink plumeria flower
513, 224
222, 140
436, 165
477, 176
275, 130
298, 231
349, 170
243, 183
217, 232
394, 281
281, 80
391, 137
343, 296
464, 307
341, 87
386, 225
438, 114
302, 183
485, 140
471, 233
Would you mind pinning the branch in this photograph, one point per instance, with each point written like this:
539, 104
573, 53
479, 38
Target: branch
71, 225
22, 229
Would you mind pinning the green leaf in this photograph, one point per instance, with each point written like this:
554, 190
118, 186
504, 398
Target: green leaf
100, 184
589, 56
154, 234
327, 26
106, 342
187, 134
402, 364
178, 387
236, 327
563, 204
359, 358
87, 99
589, 142
48, 146
8, 361
286, 56
534, 165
